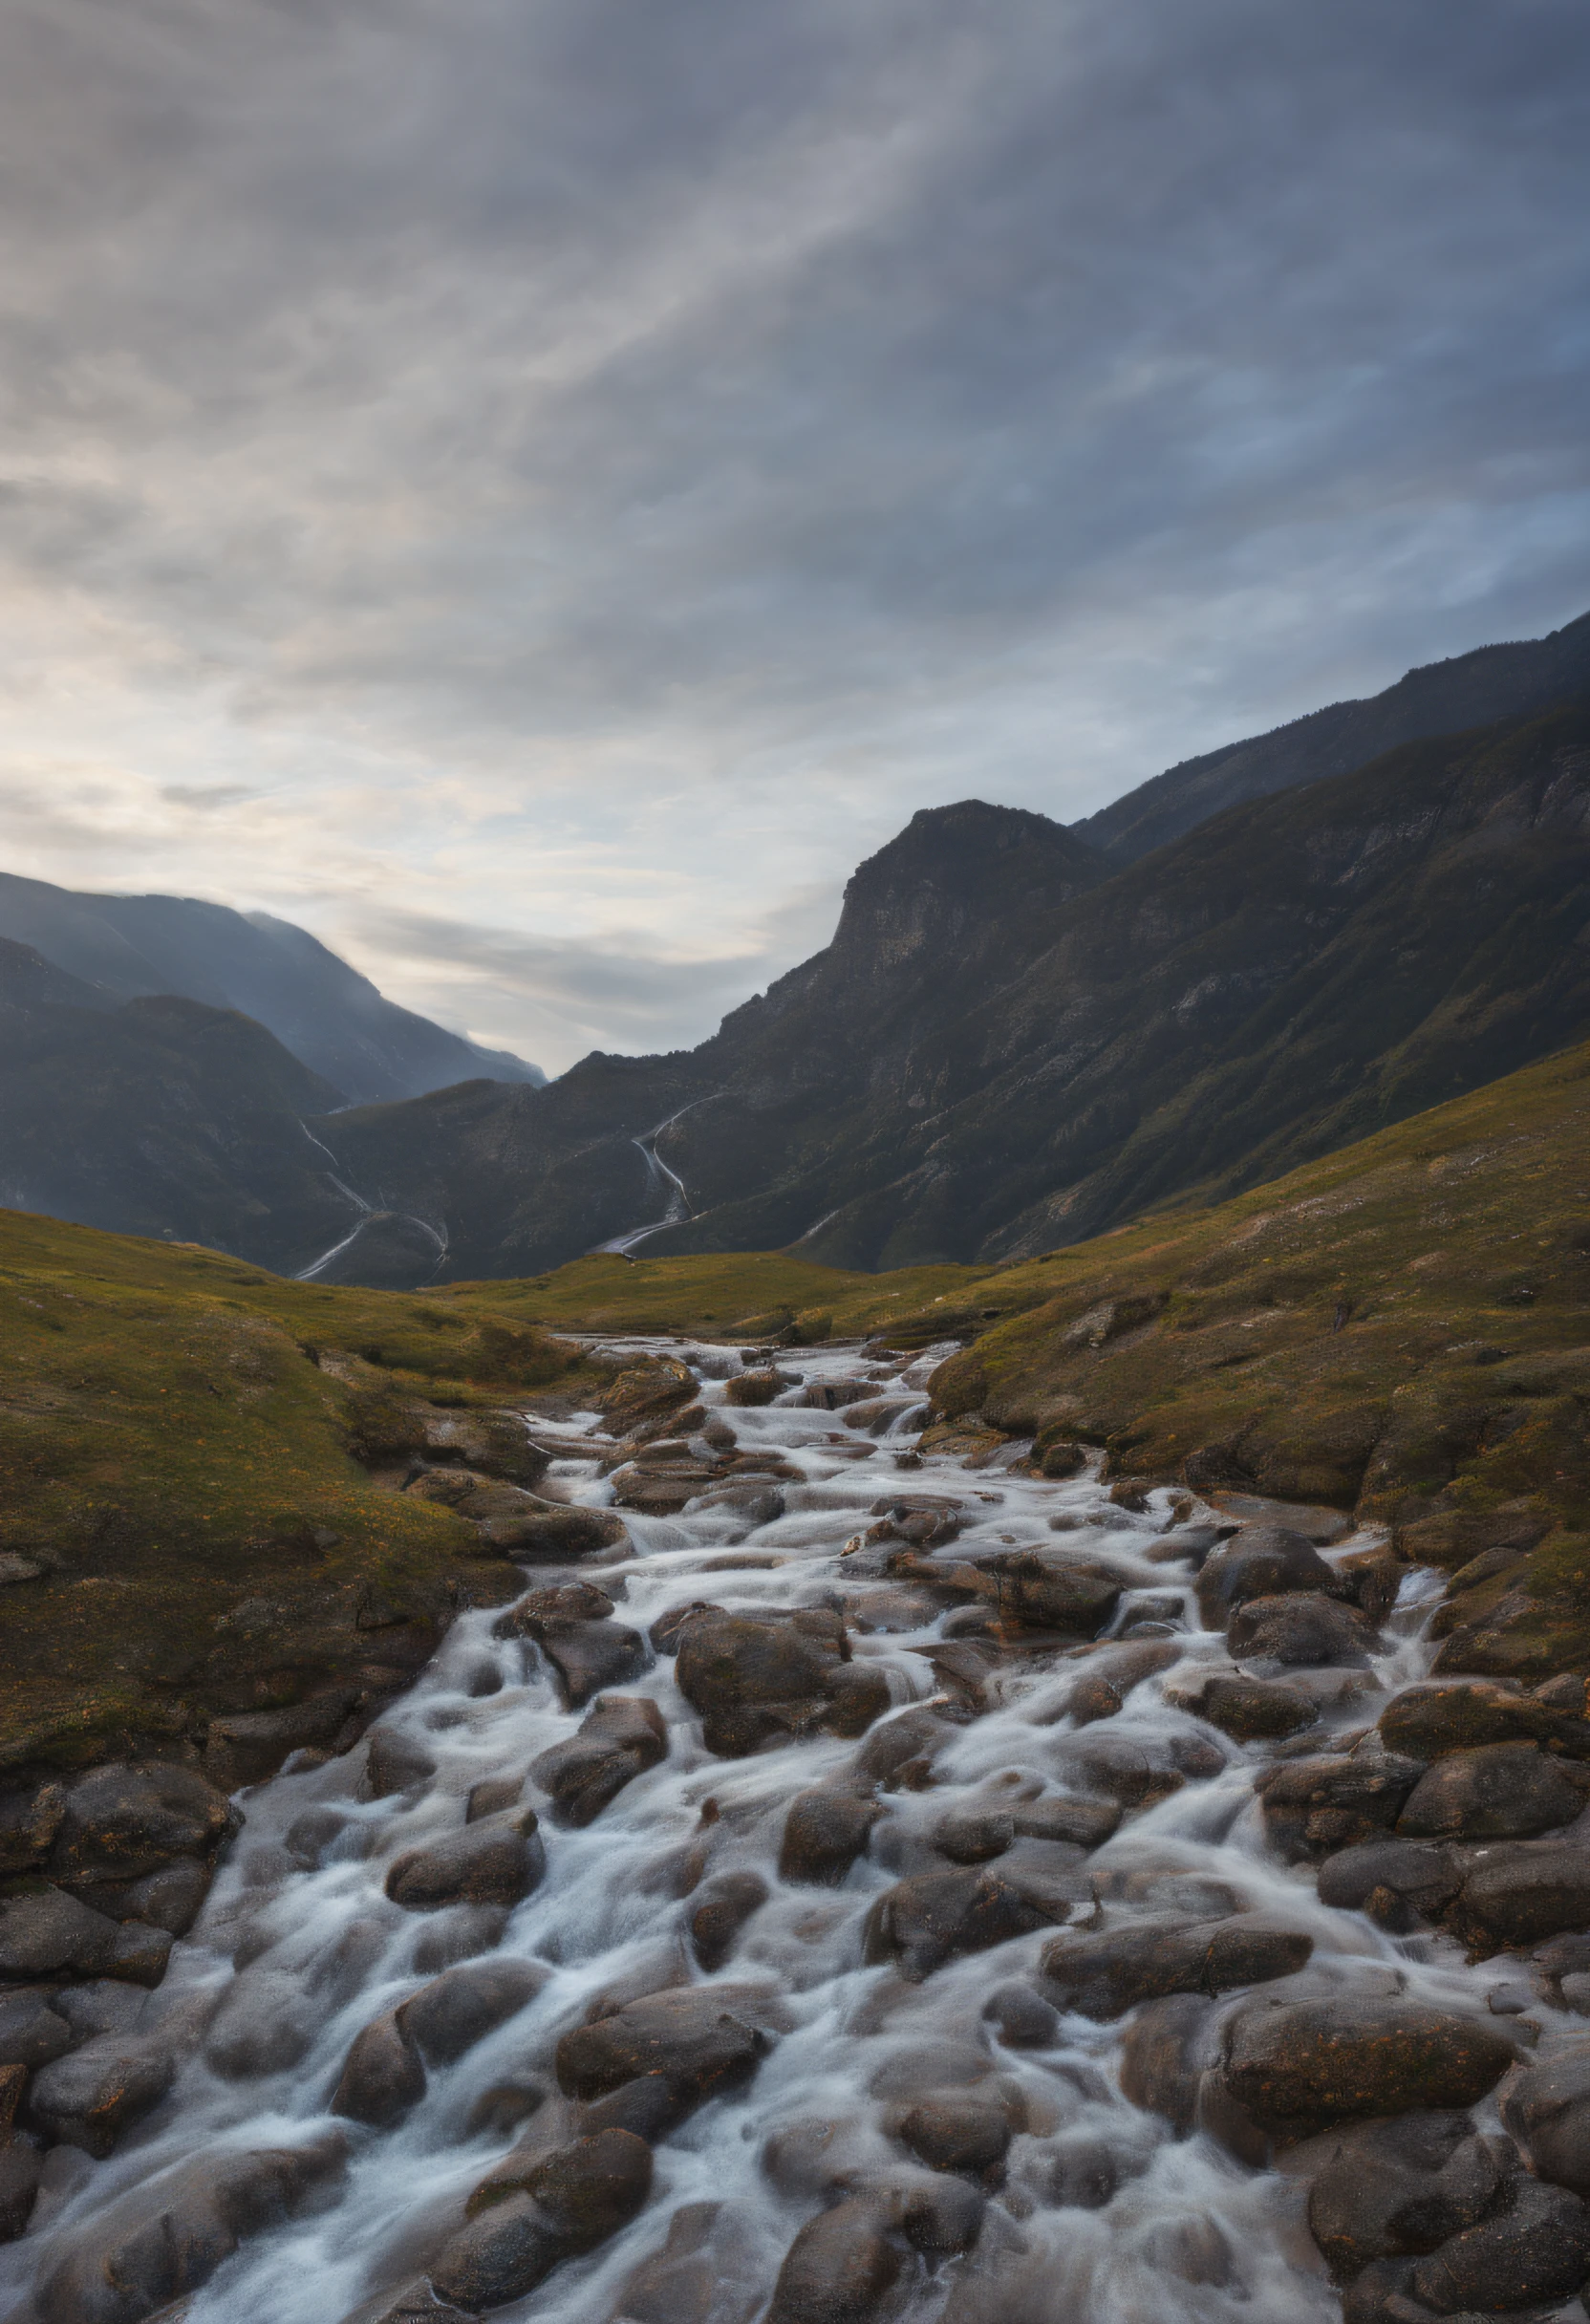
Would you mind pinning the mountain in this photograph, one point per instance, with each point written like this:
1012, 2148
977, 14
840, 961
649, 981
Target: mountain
160, 1117
1008, 1047
1472, 690
330, 1018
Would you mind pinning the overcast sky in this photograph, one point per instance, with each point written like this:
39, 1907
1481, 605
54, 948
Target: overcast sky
537, 489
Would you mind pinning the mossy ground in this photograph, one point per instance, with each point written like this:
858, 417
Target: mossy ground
736, 1294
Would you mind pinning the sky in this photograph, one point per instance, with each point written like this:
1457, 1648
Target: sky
535, 490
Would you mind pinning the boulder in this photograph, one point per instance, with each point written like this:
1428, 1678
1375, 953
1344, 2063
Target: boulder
51, 1934
29, 1818
1301, 2067
662, 1488
1105, 1975
1520, 1891
748, 1389
1547, 2109
911, 1738
839, 2270
1495, 1790
1020, 2017
1401, 2187
755, 1681
647, 1396
973, 1836
1044, 1590
494, 1443
382, 2078
168, 2235
950, 2131
1536, 2252
720, 1910
1252, 1710
247, 1746
574, 2198
1110, 1675
448, 2016
496, 1862
266, 2023
1465, 1713
1303, 1629
824, 1833
1259, 1561
31, 2033
396, 1762
412, 2303
923, 1922
620, 1736
705, 2272
588, 1657
1398, 1882
122, 1821
1132, 1769
91, 2097
1315, 1806
693, 2035
21, 2166
1084, 1823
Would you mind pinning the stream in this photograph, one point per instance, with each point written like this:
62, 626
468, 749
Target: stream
1099, 2211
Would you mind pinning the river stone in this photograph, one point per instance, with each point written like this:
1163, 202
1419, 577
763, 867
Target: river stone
20, 2168
31, 2033
412, 2303
951, 2132
1299, 2067
456, 2010
824, 1833
1547, 2109
1020, 2017
755, 1387
1165, 2053
497, 1861
690, 2033
973, 1836
382, 2078
266, 2023
168, 2235
755, 1681
1303, 1629
1111, 1673
1084, 1823
1497, 1791
1520, 1891
396, 1762
719, 1910
838, 2270
587, 1657
1466, 1713
50, 1933
574, 2199
909, 1738
1401, 2187
122, 1821
1250, 1710
1396, 1882
1535, 2251
90, 2097
1259, 1561
620, 1736
1103, 1976
706, 2272
1127, 1769
923, 1922
1321, 1804
247, 1745
1045, 1590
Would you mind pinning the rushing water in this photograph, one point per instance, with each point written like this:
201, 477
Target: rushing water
299, 1932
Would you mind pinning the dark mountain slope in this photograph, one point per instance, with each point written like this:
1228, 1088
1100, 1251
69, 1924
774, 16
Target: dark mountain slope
325, 1012
159, 1117
999, 1052
1442, 698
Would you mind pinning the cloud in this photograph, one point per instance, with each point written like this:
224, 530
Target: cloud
577, 476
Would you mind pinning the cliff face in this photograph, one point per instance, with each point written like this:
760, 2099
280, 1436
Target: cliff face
1004, 1049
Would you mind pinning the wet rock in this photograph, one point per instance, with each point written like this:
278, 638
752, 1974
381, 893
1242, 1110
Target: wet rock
169, 2234
447, 2017
1197, 2250
923, 1922
1259, 1561
912, 1737
650, 2106
1103, 1976
1022, 2018
29, 1818
412, 2303
835, 1395
498, 1862
122, 1821
562, 1536
492, 1797
1081, 2173
748, 1389
950, 2132
1043, 1589
1496, 1791
1252, 1710
723, 1908
1538, 2249
1520, 1891
461, 1932
1303, 1629
662, 1488
573, 1600
620, 1739
496, 1443
1165, 2053
31, 2033
1547, 2109
1400, 2187
973, 1835
396, 1763
89, 2097
574, 2199
647, 1396
824, 1833
1301, 2067
838, 2270
1110, 1676
695, 2036
588, 1657
1314, 1806
169, 1899
20, 2168
1125, 1769
50, 1933
264, 2024
1085, 1823
754, 1681
247, 1747
1398, 1882
704, 2274
382, 2078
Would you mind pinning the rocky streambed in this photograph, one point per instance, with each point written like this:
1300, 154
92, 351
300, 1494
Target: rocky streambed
852, 1882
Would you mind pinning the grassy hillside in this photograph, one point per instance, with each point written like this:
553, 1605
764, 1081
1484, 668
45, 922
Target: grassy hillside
735, 1294
185, 1527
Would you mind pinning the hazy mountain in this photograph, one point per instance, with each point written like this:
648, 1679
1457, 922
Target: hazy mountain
1442, 698
330, 1018
1006, 1048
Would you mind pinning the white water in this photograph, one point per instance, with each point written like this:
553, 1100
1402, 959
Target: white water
663, 1180
324, 1942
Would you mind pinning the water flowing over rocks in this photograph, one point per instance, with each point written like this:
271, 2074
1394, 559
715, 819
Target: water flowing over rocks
866, 1877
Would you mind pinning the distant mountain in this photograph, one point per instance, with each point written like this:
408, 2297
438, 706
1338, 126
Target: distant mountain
330, 1018
160, 1117
1006, 1048
1442, 698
